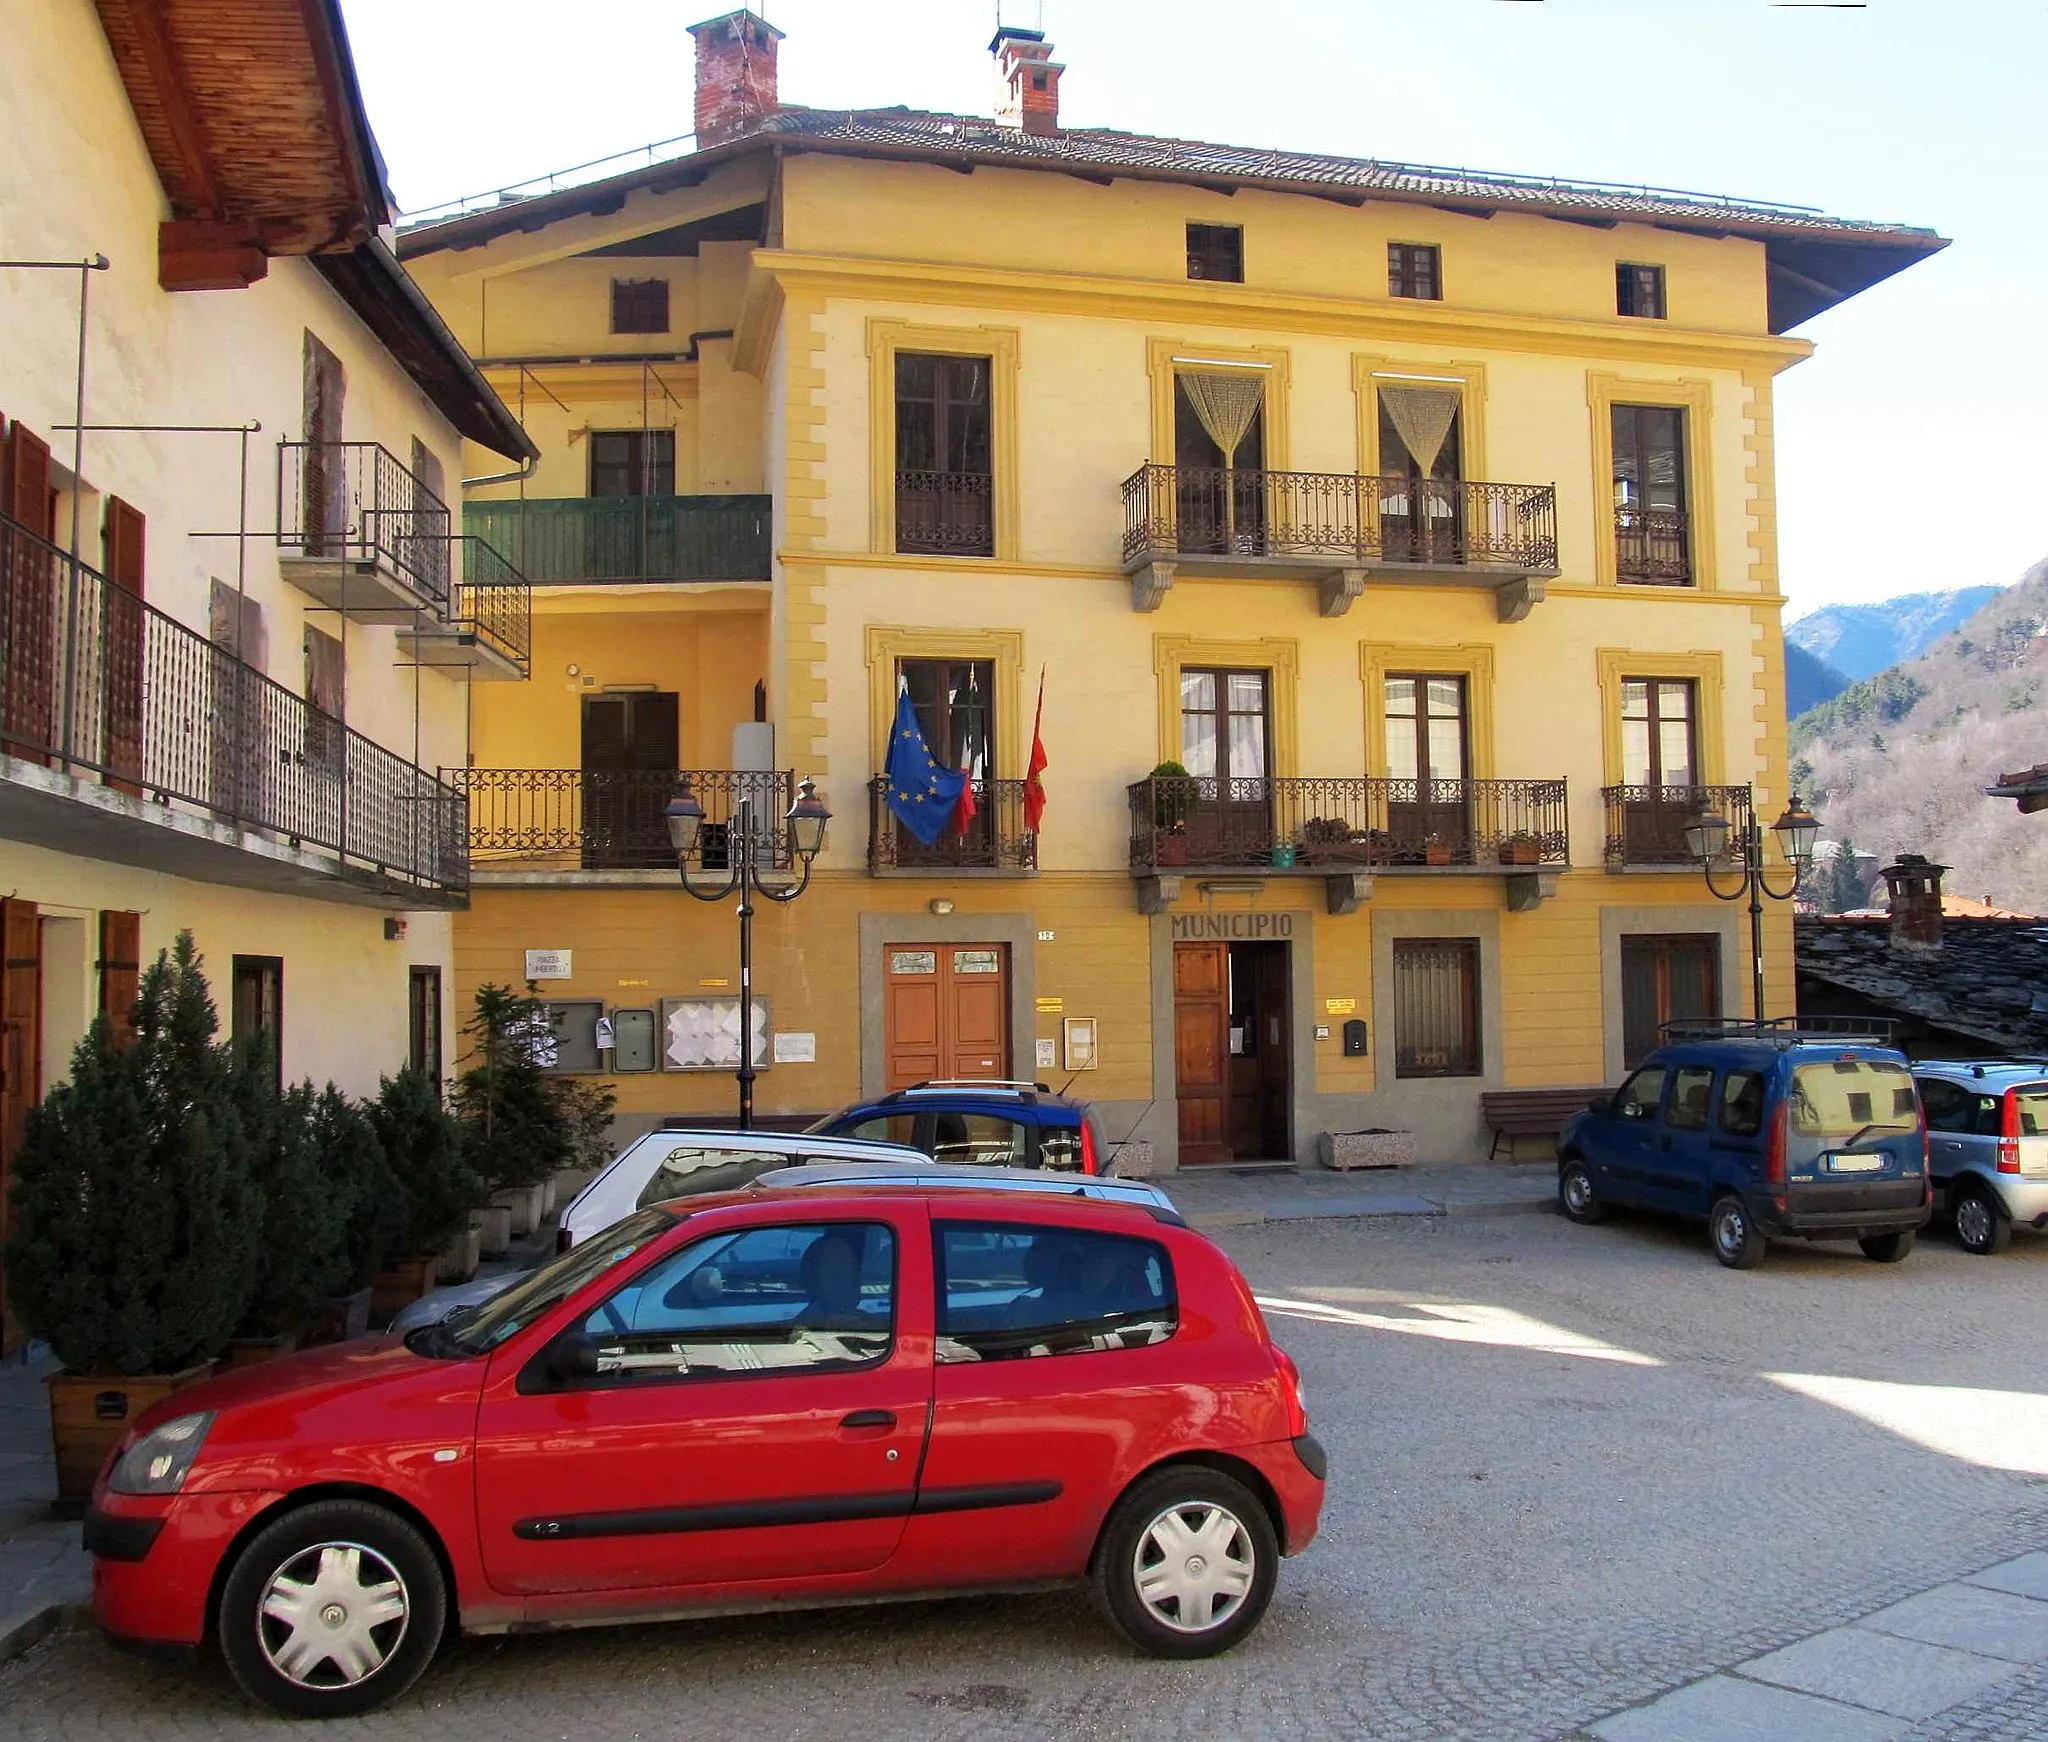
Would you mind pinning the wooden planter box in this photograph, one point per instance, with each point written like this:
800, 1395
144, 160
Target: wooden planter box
1355, 1149
253, 1351
1436, 854
547, 1197
464, 1253
493, 1224
342, 1318
1170, 849
1523, 852
524, 1203
89, 1412
402, 1284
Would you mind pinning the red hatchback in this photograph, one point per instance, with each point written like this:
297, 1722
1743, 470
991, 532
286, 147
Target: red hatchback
766, 1398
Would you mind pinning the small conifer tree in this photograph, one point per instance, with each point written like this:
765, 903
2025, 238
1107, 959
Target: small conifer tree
425, 1149
303, 1255
360, 1175
515, 1129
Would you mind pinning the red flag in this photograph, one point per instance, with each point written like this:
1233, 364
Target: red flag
963, 812
1034, 788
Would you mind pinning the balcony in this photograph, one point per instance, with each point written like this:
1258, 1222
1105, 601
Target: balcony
489, 628
945, 513
1346, 829
996, 843
535, 824
1646, 824
131, 738
361, 534
614, 540
1337, 528
1652, 547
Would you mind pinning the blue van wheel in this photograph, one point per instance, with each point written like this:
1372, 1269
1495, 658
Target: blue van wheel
1577, 1196
1736, 1242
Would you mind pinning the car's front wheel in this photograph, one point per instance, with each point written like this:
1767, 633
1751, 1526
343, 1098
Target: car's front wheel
1577, 1196
332, 1610
1982, 1226
1186, 1564
1736, 1242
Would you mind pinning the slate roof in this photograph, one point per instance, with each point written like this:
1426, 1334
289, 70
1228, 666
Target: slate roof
1988, 980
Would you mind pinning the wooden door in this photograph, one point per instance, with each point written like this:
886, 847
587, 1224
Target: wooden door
21, 1031
631, 751
946, 1012
1261, 1061
121, 709
1201, 1050
28, 599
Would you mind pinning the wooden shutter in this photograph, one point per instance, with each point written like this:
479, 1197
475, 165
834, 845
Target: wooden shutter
21, 1030
28, 599
122, 707
120, 972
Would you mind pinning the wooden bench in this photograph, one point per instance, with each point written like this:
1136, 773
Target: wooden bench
1513, 1113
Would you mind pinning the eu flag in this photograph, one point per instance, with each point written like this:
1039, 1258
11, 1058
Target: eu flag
923, 795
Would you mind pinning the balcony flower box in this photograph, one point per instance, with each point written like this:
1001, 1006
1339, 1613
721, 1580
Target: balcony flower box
1521, 850
1346, 1150
1436, 852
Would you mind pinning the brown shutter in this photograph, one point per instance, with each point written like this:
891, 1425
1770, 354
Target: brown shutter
120, 972
124, 631
28, 607
21, 1030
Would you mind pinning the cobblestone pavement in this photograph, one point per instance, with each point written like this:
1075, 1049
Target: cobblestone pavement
1574, 1469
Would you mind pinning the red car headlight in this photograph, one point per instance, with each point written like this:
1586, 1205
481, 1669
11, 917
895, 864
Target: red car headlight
159, 1462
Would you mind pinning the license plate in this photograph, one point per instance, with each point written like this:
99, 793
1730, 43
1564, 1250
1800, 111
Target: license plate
1855, 1164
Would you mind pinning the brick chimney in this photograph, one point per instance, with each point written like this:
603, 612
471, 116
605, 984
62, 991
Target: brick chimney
1027, 80
735, 73
1914, 885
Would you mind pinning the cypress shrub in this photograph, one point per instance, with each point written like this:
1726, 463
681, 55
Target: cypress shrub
515, 1129
425, 1150
360, 1175
303, 1257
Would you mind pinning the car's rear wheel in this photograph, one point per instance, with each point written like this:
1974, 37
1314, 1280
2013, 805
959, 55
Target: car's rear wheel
1736, 1242
1186, 1564
332, 1610
1577, 1196
1982, 1226
1887, 1248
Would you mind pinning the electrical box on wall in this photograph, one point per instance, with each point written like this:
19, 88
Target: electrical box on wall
1354, 1038
633, 1040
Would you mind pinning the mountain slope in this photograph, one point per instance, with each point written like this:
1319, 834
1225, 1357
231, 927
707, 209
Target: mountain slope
1809, 681
1861, 640
1897, 762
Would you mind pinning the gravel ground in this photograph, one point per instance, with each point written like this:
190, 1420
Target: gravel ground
1573, 1468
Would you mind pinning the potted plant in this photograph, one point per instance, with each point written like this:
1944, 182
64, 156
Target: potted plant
425, 1150
1521, 848
302, 1252
514, 1130
136, 1222
1172, 799
1435, 850
359, 1174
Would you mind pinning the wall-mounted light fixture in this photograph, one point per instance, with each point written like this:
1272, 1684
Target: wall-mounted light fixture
940, 905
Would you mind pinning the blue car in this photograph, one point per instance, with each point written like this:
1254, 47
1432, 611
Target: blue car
973, 1123
1766, 1133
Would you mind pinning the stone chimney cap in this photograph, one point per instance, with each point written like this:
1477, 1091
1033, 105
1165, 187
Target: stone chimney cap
1912, 863
1012, 33
761, 25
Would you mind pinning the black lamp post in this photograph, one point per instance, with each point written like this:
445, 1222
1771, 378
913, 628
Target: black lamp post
806, 822
1707, 839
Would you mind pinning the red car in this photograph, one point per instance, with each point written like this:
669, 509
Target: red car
765, 1398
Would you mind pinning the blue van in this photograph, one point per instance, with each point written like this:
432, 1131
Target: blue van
1765, 1131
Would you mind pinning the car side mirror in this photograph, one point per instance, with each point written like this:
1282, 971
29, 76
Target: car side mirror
571, 1356
1601, 1104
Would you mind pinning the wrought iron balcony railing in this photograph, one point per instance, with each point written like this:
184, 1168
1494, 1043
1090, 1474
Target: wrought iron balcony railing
995, 839
1339, 517
580, 819
493, 602
562, 540
1653, 545
353, 502
1646, 824
1347, 824
945, 513
96, 682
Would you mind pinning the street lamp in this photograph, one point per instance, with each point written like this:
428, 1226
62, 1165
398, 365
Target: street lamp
1708, 840
805, 822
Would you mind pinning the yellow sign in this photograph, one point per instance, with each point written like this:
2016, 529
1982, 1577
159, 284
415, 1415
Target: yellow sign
717, 983
1339, 1006
636, 982
1051, 1006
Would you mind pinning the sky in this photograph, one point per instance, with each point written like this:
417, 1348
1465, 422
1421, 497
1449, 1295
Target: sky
1927, 394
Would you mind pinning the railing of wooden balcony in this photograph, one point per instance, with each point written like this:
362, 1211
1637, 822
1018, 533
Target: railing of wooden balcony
1339, 824
1653, 545
945, 513
354, 502
98, 683
1432, 522
563, 540
494, 602
1646, 824
580, 819
995, 839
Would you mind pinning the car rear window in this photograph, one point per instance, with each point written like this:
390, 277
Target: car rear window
881, 1128
1009, 1290
686, 1169
980, 1140
1845, 1097
2033, 1105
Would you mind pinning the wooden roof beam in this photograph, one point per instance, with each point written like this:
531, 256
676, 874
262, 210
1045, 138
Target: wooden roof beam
174, 97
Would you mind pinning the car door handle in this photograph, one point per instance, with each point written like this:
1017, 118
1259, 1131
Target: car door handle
869, 1418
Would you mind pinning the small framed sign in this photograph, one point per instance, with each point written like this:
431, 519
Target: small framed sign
1079, 1032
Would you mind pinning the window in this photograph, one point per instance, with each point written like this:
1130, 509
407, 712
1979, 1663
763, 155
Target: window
423, 1023
1659, 747
633, 462
1650, 529
326, 696
1425, 727
1692, 1098
630, 751
1010, 1290
819, 1297
1060, 1148
1216, 251
945, 461
979, 1140
884, 1128
1665, 980
256, 1010
1640, 1094
689, 1168
639, 305
505, 1315
1415, 269
1949, 1107
954, 700
1224, 732
1848, 1098
1639, 291
1436, 1007
1742, 1103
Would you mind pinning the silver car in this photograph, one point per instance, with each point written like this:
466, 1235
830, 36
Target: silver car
1987, 1146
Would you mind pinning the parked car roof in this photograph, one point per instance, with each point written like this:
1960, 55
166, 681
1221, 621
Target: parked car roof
841, 1148
933, 1175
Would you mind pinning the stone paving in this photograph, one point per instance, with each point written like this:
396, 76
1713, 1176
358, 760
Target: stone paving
1584, 1480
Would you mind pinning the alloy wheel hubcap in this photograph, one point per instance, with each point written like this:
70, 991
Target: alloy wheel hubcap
1194, 1566
332, 1615
1973, 1221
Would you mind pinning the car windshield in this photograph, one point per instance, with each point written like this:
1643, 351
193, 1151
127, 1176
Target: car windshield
1848, 1098
507, 1314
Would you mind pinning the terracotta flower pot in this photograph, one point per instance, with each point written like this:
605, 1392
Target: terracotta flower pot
89, 1412
1436, 853
1522, 851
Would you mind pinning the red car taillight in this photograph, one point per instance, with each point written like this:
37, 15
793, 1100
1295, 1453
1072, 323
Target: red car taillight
1775, 1144
1290, 1389
2009, 1133
1090, 1161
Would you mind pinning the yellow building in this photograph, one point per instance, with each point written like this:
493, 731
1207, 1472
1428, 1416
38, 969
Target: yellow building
1425, 520
238, 631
